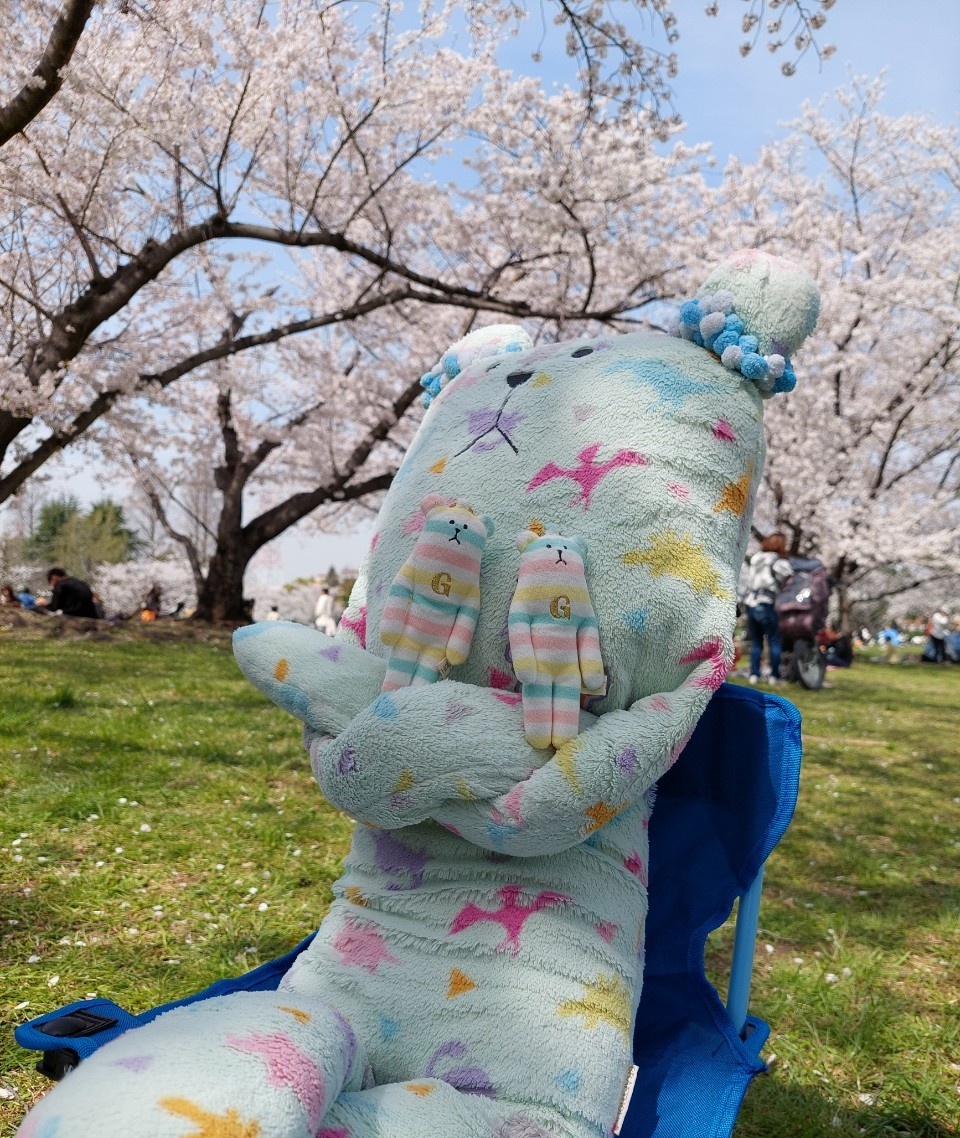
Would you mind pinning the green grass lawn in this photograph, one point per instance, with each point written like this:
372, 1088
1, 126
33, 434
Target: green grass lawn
159, 828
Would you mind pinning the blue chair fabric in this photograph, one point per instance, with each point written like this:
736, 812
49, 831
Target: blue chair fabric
719, 812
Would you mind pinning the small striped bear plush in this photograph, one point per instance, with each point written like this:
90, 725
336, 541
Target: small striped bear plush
432, 608
554, 639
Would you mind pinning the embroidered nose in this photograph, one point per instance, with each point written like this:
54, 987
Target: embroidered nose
560, 560
516, 378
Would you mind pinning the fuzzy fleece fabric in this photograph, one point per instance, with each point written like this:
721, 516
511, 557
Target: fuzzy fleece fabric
479, 969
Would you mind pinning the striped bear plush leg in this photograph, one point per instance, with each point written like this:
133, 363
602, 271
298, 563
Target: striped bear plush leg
249, 1065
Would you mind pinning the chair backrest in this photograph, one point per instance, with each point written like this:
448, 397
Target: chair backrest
719, 812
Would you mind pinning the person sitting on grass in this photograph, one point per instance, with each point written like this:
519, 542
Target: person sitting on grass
9, 597
70, 596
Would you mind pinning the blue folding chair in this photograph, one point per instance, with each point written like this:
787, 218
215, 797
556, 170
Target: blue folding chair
719, 812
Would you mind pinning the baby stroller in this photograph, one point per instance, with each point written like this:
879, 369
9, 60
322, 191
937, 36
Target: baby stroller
802, 610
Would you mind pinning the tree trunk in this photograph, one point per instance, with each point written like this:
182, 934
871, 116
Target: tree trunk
221, 595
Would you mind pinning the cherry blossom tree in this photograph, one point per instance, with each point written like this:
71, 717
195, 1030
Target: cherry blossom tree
213, 182
193, 140
863, 465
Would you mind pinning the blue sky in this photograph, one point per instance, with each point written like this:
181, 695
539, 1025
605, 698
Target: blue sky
737, 104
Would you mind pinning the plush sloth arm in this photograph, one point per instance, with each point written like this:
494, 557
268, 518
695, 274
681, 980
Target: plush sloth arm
457, 754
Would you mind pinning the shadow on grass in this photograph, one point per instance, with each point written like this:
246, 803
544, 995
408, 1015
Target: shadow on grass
775, 1108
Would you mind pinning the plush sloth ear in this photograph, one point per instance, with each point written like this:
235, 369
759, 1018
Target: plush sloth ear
432, 501
525, 538
488, 524
579, 544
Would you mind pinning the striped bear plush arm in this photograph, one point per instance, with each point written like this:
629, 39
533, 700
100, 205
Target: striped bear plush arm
588, 652
396, 608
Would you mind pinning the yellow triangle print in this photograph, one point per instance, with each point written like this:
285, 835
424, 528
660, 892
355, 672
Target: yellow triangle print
282, 670
421, 1090
541, 380
460, 982
438, 466
600, 814
298, 1015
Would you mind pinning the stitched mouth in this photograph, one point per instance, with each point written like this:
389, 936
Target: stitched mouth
560, 560
456, 538
498, 423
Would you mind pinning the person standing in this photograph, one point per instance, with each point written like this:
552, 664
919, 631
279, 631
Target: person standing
323, 616
768, 572
938, 629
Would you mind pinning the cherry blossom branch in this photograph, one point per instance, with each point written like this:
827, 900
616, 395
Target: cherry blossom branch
47, 77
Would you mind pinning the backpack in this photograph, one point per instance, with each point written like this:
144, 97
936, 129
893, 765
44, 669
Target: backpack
803, 601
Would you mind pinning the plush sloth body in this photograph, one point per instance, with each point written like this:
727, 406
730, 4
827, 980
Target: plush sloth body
479, 969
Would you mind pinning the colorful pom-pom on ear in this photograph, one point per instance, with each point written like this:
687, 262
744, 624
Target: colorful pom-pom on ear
752, 311
482, 344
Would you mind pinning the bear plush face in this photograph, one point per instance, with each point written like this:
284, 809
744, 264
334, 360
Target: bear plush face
454, 522
643, 444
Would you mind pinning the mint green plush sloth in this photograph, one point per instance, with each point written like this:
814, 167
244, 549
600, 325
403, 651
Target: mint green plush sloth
479, 969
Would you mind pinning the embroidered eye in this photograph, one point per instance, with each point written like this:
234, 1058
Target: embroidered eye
515, 378
549, 547
452, 522
465, 526
581, 352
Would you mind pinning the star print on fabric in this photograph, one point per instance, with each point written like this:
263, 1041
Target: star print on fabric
674, 555
735, 495
569, 1081
606, 1000
635, 865
402, 864
227, 1125
723, 432
671, 385
500, 831
298, 1015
